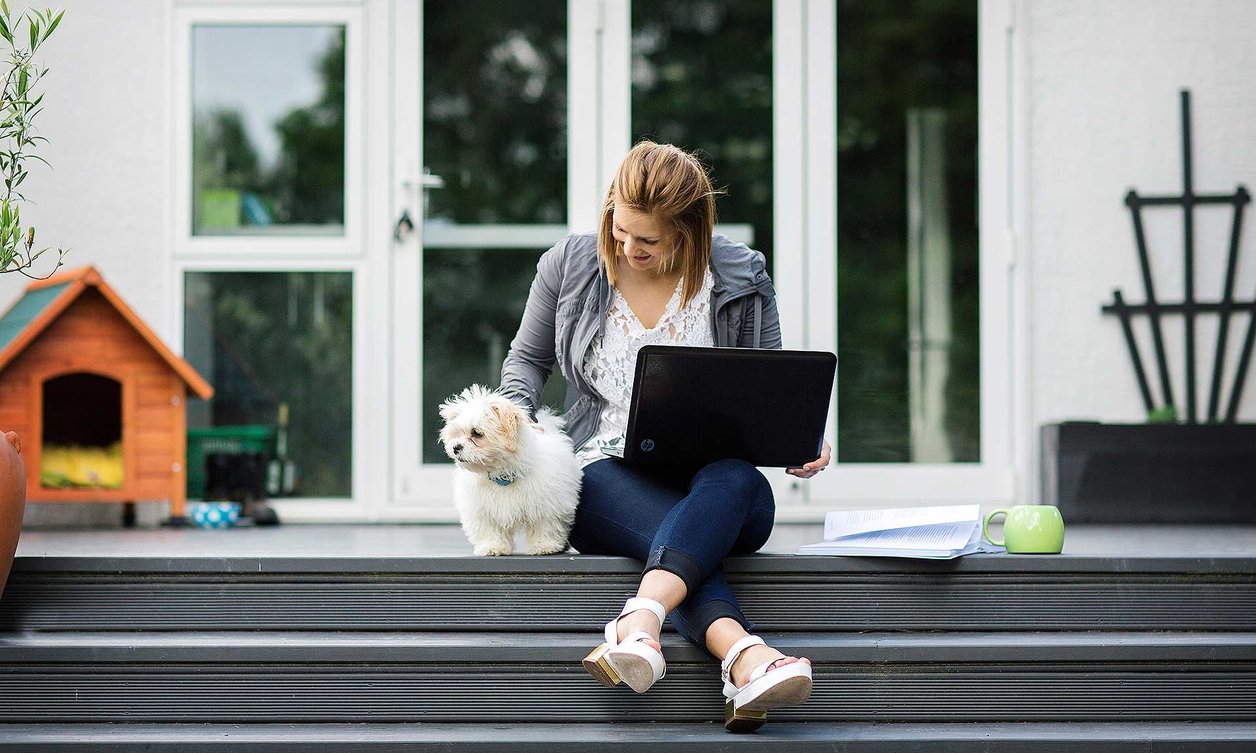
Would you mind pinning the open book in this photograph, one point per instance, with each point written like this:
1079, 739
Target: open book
928, 532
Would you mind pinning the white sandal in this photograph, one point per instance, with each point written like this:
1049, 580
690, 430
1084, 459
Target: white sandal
746, 708
629, 660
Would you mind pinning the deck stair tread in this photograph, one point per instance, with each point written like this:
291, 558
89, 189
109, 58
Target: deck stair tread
495, 647
779, 737
575, 563
499, 678
778, 592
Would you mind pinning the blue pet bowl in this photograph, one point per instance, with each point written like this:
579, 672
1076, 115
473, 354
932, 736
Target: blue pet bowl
214, 514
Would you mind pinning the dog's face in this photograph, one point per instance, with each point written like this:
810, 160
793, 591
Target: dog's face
481, 429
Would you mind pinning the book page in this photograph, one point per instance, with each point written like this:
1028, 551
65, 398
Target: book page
939, 536
849, 522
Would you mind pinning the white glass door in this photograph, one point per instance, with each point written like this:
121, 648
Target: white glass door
483, 164
913, 191
279, 234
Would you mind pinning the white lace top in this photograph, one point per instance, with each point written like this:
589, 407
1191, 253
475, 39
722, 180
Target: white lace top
611, 361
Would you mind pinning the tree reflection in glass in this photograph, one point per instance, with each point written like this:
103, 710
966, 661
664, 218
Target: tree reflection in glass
269, 338
702, 80
268, 130
495, 110
465, 336
908, 388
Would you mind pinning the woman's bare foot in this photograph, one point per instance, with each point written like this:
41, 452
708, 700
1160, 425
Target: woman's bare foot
755, 655
641, 619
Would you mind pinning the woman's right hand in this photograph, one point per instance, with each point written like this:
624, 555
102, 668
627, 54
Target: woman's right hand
815, 466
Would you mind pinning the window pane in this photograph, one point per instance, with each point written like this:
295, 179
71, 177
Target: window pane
495, 110
702, 80
908, 371
473, 300
266, 340
268, 144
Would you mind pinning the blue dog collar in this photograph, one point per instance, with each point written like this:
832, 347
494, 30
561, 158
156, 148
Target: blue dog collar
504, 480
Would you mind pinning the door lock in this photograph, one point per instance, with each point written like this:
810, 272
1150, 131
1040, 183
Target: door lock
405, 226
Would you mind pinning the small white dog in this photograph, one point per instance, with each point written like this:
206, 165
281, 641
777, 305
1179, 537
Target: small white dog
511, 474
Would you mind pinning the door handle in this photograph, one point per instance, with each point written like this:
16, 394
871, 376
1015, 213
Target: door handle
427, 180
405, 224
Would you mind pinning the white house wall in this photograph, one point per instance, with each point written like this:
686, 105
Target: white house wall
107, 118
1104, 114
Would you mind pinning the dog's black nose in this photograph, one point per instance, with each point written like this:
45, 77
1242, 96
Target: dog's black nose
457, 449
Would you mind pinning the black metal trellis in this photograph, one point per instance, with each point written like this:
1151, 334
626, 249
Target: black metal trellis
1189, 307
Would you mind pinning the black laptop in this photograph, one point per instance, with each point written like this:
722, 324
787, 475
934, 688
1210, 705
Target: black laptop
693, 405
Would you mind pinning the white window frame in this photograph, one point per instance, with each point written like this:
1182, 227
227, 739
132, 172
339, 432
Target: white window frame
363, 249
346, 244
806, 199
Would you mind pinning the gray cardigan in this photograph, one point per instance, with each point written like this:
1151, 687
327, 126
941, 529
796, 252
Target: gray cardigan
567, 306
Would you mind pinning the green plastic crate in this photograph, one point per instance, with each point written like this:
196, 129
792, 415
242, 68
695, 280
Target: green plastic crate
233, 440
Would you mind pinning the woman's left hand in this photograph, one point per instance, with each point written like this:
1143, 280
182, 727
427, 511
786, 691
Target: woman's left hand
815, 466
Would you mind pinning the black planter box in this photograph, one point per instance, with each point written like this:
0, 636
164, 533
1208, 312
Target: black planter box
1150, 473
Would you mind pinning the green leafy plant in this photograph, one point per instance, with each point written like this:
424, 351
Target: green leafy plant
18, 107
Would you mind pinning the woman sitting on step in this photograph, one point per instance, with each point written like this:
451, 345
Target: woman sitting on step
655, 273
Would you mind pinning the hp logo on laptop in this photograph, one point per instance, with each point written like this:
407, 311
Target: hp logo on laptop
647, 445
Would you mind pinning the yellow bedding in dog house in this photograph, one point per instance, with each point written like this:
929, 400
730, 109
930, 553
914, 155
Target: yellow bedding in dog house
68, 466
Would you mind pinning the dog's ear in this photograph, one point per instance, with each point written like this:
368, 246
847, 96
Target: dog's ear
450, 409
509, 419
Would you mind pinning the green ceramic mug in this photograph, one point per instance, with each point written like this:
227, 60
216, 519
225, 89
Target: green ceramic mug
1029, 529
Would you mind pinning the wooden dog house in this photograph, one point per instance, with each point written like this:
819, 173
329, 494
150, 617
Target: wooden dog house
80, 372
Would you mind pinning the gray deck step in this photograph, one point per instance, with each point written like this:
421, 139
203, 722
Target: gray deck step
502, 647
504, 678
1199, 737
779, 592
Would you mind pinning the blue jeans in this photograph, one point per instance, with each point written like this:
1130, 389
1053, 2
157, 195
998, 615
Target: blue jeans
679, 520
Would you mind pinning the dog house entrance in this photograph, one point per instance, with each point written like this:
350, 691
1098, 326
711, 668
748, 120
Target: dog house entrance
81, 445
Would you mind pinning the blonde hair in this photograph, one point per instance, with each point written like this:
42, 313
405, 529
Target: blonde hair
674, 188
